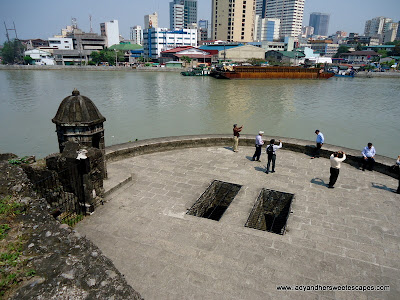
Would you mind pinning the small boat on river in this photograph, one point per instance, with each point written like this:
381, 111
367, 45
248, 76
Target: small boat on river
199, 71
254, 72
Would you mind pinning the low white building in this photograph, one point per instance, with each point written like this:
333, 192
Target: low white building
314, 58
40, 57
61, 43
156, 40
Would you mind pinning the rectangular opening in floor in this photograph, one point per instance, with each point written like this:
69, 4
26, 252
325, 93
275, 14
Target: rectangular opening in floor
215, 200
271, 211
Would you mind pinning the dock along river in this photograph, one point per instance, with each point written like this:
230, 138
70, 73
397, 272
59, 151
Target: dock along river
138, 105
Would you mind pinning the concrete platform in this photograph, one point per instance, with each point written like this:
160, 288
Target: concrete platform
347, 235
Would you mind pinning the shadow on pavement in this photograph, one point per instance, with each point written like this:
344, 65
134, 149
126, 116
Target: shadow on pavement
318, 181
382, 187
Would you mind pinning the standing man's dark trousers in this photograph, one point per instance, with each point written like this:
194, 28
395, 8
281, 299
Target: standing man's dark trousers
334, 176
317, 150
398, 189
271, 157
368, 163
257, 154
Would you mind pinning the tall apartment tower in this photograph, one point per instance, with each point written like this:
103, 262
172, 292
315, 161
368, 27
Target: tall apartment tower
182, 13
151, 21
289, 11
320, 22
376, 26
136, 35
111, 31
233, 21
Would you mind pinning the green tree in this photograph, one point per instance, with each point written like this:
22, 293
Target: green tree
186, 59
395, 51
13, 52
96, 57
256, 61
382, 53
107, 55
341, 49
28, 60
359, 47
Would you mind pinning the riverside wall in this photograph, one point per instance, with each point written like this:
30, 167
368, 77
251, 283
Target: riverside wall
88, 68
121, 151
390, 74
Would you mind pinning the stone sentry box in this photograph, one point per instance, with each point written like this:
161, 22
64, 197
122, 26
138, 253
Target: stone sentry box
215, 200
271, 211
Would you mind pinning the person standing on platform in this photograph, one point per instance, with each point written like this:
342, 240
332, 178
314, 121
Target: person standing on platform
271, 151
368, 157
336, 158
236, 136
319, 141
259, 143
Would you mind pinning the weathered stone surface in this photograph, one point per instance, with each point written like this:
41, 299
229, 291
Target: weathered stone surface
338, 236
66, 265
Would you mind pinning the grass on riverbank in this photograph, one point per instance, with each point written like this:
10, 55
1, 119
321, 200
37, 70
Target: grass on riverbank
13, 267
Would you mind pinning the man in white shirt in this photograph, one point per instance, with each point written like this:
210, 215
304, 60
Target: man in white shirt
259, 143
368, 157
336, 158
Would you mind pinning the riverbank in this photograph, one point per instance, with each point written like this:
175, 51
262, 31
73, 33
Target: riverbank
390, 74
88, 68
363, 74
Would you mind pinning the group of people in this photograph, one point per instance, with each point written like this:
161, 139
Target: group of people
336, 158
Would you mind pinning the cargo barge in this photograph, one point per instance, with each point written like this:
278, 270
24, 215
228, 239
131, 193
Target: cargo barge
251, 72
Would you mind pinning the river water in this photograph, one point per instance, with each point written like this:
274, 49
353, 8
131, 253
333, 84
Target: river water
138, 105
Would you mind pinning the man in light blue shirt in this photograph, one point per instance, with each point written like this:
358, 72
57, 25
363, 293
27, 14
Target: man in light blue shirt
319, 141
368, 157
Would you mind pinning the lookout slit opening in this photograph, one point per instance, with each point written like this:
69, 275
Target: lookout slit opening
213, 203
271, 211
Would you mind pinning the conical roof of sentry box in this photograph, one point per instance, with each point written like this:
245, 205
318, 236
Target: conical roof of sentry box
77, 110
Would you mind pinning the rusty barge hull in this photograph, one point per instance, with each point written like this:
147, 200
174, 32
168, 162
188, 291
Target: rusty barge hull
272, 73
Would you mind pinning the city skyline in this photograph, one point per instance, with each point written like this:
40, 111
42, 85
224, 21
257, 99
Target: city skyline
45, 22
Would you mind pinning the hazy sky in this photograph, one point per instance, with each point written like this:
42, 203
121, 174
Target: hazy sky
45, 18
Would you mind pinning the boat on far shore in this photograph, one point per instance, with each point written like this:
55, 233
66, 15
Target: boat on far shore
255, 72
197, 71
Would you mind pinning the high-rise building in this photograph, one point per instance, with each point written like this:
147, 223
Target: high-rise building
259, 8
233, 21
203, 30
266, 29
320, 22
182, 13
290, 12
376, 26
111, 31
136, 35
307, 31
390, 32
151, 21
398, 32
